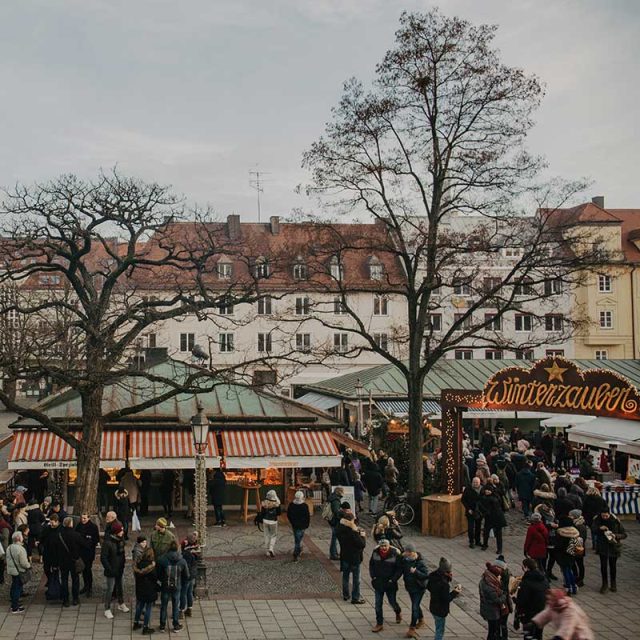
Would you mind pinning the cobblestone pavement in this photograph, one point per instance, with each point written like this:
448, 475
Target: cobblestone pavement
252, 597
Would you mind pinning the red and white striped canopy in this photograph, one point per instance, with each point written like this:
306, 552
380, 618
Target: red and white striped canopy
168, 450
38, 449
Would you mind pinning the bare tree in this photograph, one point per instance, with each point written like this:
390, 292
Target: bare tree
434, 152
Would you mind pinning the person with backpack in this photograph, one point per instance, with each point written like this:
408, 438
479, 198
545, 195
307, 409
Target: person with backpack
299, 518
438, 585
270, 512
172, 570
415, 574
191, 552
331, 513
113, 559
144, 573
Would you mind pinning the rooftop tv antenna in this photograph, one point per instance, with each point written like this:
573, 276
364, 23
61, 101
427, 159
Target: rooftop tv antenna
256, 181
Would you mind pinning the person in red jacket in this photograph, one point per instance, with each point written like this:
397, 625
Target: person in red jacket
536, 541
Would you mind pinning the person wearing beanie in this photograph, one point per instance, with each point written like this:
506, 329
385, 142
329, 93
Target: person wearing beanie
439, 587
415, 574
191, 552
161, 539
113, 560
270, 511
609, 532
536, 542
299, 517
531, 595
385, 571
493, 599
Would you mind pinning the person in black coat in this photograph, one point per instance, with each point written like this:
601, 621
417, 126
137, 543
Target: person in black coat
525, 484
471, 504
35, 519
438, 585
72, 543
299, 518
352, 543
218, 494
89, 532
531, 598
373, 483
415, 574
113, 559
491, 509
50, 546
144, 572
385, 571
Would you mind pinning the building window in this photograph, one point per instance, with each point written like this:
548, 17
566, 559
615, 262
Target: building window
463, 354
524, 288
380, 306
462, 322
381, 340
303, 342
225, 270
336, 268
493, 321
524, 354
553, 287
553, 322
552, 353
606, 319
261, 268
605, 284
49, 279
187, 341
339, 307
523, 322
225, 307
300, 271
512, 252
602, 354
264, 306
151, 340
341, 342
462, 287
264, 343
491, 283
493, 354
225, 341
434, 322
263, 377
302, 306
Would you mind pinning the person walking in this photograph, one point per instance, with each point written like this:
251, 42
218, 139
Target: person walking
91, 536
530, 599
439, 587
218, 495
72, 543
592, 506
144, 573
17, 565
161, 539
567, 540
568, 618
335, 500
191, 552
536, 541
299, 518
352, 543
385, 571
525, 485
493, 599
113, 560
609, 532
172, 571
415, 574
493, 515
580, 525
471, 504
270, 512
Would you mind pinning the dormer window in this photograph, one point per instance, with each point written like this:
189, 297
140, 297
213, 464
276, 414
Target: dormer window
376, 269
300, 271
225, 270
336, 268
261, 268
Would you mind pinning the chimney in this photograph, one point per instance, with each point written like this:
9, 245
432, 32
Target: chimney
598, 201
275, 225
233, 227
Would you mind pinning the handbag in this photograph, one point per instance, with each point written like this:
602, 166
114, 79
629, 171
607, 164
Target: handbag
25, 576
135, 521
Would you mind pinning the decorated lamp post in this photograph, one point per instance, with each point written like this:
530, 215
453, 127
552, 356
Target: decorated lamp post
200, 432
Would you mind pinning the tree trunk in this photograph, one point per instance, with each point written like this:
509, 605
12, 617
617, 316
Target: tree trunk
416, 441
88, 454
10, 387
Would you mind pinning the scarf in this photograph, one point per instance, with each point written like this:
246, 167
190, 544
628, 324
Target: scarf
384, 551
493, 581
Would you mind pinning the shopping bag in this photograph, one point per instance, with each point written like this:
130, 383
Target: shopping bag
135, 522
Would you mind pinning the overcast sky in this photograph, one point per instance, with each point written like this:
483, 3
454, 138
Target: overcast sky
196, 93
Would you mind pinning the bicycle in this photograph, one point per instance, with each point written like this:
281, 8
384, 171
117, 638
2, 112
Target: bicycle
405, 513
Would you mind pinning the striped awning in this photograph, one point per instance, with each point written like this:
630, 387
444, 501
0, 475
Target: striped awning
279, 448
401, 407
45, 450
168, 450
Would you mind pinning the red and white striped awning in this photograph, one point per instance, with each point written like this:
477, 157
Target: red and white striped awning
168, 450
279, 448
44, 449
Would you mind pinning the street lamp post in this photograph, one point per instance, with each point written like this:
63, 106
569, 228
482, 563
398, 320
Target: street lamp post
359, 393
200, 432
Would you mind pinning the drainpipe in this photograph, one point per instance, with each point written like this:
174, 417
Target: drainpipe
633, 315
